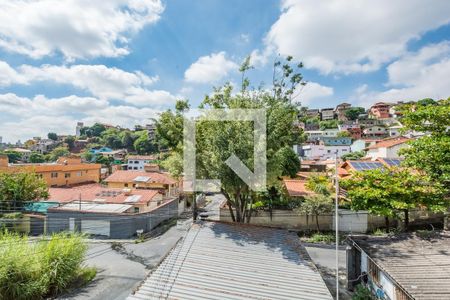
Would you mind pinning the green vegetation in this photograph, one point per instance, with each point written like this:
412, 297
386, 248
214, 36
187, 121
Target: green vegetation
36, 270
430, 153
393, 192
16, 189
353, 155
328, 124
58, 152
353, 112
52, 136
217, 141
13, 156
37, 158
316, 205
362, 293
319, 184
321, 238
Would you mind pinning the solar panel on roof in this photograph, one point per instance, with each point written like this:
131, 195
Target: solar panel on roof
133, 199
369, 165
142, 179
393, 162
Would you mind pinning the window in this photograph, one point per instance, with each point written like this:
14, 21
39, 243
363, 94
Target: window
54, 175
79, 174
136, 210
373, 271
66, 175
125, 185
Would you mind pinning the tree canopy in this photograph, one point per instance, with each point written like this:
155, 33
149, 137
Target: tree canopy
216, 141
353, 112
430, 153
391, 192
16, 189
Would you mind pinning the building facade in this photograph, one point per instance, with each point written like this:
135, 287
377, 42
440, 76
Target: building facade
67, 171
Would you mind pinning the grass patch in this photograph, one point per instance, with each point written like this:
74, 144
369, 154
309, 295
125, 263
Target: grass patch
35, 270
320, 237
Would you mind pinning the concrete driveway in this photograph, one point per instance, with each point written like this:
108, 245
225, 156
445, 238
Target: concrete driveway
121, 268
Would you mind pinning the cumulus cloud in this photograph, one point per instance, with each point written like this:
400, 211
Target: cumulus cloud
21, 114
75, 28
312, 93
100, 81
210, 68
352, 36
416, 75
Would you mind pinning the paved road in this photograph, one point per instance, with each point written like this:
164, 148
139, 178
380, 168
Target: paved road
324, 258
212, 207
121, 270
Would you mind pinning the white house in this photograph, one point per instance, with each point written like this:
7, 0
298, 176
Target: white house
395, 130
375, 131
323, 152
138, 162
387, 148
327, 113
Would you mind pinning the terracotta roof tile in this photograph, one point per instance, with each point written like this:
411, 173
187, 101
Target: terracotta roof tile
91, 192
390, 142
296, 187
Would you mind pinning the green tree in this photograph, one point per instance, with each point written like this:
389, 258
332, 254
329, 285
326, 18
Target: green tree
52, 136
13, 156
217, 141
127, 139
316, 205
16, 189
143, 145
169, 127
353, 112
111, 138
430, 153
393, 192
328, 124
70, 141
320, 184
37, 158
288, 161
353, 155
58, 152
344, 134
87, 156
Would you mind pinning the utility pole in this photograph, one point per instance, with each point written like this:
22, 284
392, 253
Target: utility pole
336, 209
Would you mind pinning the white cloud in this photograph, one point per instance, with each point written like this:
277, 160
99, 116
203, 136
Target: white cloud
76, 28
210, 68
352, 36
312, 93
21, 115
416, 75
100, 81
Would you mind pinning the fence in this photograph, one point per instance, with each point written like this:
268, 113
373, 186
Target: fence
110, 225
349, 221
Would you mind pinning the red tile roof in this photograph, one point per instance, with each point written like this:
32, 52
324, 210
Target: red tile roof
297, 187
390, 142
96, 192
129, 176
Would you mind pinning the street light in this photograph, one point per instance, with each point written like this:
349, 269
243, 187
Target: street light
336, 209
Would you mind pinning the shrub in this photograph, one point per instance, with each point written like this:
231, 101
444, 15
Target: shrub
362, 293
33, 270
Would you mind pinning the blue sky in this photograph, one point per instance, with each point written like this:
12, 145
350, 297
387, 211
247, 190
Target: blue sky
124, 61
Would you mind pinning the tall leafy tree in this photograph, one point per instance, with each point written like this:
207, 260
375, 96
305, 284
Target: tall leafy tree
430, 153
316, 205
393, 192
52, 136
353, 112
58, 152
143, 144
218, 140
16, 189
37, 158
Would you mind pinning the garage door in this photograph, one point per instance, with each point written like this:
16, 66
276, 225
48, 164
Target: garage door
95, 227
